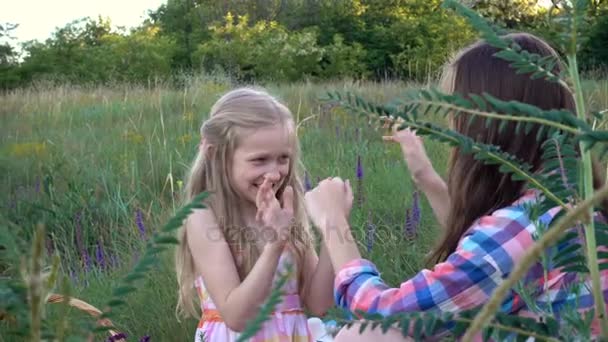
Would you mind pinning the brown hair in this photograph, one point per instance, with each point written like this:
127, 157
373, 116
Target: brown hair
475, 188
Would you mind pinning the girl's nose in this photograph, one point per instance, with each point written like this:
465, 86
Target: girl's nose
273, 176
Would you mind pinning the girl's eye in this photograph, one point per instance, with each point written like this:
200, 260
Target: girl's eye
284, 159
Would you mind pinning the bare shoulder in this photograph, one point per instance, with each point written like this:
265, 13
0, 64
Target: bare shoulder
202, 224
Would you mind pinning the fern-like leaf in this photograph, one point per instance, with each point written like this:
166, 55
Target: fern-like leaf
523, 61
424, 325
266, 310
157, 243
489, 154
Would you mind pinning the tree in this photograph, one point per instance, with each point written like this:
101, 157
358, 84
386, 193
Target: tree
8, 57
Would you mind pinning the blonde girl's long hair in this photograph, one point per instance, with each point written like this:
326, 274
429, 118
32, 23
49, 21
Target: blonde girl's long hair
239, 109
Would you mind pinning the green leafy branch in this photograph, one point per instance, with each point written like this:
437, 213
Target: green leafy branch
268, 308
159, 243
421, 325
489, 154
523, 61
492, 108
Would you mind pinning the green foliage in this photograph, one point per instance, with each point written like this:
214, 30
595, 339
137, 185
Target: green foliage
159, 243
93, 54
274, 299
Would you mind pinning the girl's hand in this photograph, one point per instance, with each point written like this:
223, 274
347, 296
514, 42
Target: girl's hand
275, 215
329, 203
413, 151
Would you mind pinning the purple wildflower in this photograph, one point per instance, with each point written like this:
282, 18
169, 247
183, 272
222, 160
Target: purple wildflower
416, 208
87, 261
370, 233
99, 255
359, 173
412, 218
409, 229
139, 221
12, 204
73, 276
79, 241
49, 245
145, 338
117, 337
307, 185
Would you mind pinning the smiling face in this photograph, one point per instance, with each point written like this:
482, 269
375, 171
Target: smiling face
263, 152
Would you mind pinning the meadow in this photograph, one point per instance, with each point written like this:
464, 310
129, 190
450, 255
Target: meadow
102, 169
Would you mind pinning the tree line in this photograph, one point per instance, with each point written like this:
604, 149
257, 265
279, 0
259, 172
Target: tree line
279, 40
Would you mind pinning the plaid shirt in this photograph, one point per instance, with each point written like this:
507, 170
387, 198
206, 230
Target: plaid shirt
485, 256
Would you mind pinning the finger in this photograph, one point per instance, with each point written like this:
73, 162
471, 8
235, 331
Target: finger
259, 197
260, 212
287, 199
388, 138
349, 190
395, 128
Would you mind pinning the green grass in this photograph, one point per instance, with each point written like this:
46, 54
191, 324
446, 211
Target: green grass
108, 152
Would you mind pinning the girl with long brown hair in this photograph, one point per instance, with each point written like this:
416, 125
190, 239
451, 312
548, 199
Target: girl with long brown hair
486, 226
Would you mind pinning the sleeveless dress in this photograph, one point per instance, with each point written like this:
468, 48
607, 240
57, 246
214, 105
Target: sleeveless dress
287, 323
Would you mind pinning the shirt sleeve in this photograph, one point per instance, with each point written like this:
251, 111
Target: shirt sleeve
483, 258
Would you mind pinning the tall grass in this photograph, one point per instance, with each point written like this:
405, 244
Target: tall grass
102, 168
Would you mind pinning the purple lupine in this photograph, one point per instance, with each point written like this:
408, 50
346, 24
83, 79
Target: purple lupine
99, 255
359, 168
145, 338
412, 218
139, 221
409, 229
12, 204
416, 208
79, 241
370, 235
73, 276
359, 173
49, 245
37, 185
87, 261
307, 184
117, 337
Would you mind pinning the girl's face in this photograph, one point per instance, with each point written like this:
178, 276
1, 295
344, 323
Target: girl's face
263, 152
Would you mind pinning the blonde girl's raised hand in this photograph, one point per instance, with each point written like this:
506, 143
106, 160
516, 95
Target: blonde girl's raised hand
274, 214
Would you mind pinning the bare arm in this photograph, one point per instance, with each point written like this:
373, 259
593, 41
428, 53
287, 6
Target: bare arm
423, 174
236, 301
436, 192
318, 281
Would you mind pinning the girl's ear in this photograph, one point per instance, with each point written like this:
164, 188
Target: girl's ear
205, 148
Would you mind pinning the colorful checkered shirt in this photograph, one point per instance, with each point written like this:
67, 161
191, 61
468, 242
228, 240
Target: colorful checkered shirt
485, 256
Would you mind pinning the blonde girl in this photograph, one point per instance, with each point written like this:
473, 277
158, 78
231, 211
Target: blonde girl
253, 226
